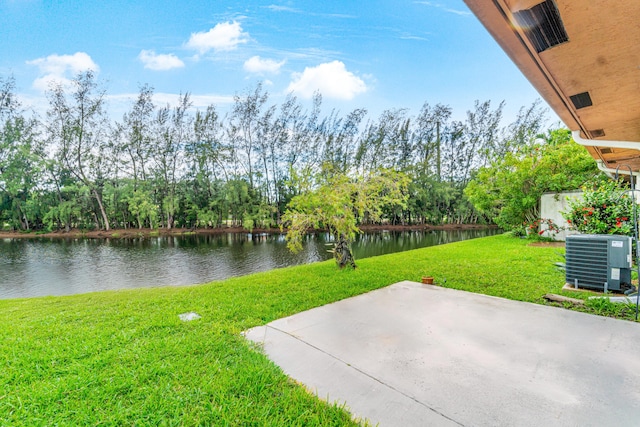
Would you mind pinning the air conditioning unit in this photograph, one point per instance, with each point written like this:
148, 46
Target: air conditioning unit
595, 259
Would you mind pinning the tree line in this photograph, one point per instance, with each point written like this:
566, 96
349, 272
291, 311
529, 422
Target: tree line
168, 166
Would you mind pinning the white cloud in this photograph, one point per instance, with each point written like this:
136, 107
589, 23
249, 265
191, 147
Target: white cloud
277, 8
225, 36
161, 62
445, 8
257, 65
332, 80
60, 64
60, 69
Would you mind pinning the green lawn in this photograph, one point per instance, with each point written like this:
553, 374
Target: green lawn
125, 358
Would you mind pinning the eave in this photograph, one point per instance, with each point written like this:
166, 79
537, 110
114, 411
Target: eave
601, 57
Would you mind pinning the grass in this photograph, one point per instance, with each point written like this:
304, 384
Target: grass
125, 358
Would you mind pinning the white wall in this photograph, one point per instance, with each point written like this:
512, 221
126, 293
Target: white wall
551, 206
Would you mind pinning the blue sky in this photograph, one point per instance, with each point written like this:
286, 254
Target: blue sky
375, 54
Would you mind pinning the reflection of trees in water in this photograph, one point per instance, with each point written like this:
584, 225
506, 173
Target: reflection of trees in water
383, 242
63, 266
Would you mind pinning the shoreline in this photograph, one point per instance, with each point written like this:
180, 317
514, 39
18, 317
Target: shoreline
147, 232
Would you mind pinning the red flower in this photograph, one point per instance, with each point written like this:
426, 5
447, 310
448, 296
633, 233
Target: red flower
541, 232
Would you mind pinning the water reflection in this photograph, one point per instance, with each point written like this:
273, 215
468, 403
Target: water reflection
69, 266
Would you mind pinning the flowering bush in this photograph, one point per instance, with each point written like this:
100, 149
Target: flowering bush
539, 227
606, 208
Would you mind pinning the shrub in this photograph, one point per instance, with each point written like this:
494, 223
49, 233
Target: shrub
606, 208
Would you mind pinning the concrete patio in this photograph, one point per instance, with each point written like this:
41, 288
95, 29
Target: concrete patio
418, 355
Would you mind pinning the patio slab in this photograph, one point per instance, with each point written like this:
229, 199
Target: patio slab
418, 355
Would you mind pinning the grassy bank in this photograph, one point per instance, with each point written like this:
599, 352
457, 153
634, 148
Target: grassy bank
125, 358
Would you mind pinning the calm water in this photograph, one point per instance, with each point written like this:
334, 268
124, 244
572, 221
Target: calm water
71, 266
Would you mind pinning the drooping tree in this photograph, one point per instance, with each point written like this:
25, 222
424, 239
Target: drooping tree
340, 204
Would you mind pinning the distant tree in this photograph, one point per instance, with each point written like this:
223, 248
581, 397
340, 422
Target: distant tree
174, 165
173, 128
243, 128
338, 138
384, 143
134, 136
205, 155
431, 131
524, 131
78, 130
480, 137
21, 161
340, 204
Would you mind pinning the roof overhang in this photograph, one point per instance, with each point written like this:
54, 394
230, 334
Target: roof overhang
601, 58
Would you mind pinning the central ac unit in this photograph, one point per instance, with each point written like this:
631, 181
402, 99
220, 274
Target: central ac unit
596, 261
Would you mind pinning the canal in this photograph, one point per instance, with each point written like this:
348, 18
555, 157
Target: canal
45, 266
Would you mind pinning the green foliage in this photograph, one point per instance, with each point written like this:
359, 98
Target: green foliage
77, 130
21, 163
69, 212
509, 190
604, 307
142, 207
519, 230
207, 218
168, 166
605, 208
341, 203
433, 201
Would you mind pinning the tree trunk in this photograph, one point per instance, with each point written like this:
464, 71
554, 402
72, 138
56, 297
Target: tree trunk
103, 213
561, 298
342, 254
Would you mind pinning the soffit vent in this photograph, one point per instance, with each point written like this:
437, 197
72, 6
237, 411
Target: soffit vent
597, 133
581, 100
606, 150
542, 25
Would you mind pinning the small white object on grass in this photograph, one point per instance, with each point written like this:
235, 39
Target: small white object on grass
187, 317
